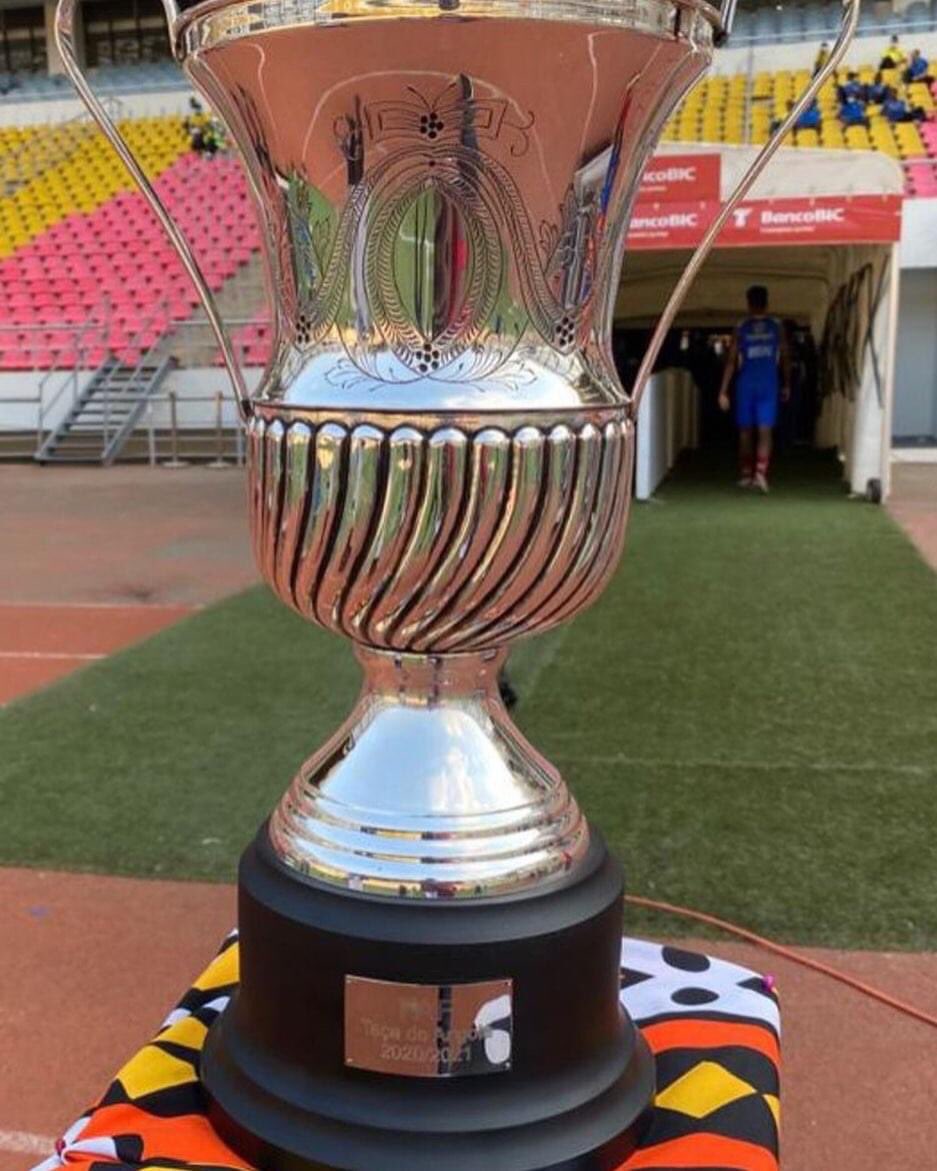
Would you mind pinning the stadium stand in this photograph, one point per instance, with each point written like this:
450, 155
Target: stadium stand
254, 340
744, 108
75, 171
77, 245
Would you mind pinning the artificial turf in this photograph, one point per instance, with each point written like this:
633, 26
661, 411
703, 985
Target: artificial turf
750, 715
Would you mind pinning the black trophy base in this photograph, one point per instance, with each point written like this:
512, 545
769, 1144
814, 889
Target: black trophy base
574, 1095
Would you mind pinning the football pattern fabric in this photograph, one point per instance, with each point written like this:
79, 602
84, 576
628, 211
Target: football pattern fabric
713, 1028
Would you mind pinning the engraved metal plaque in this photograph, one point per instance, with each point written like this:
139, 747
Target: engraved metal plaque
428, 1030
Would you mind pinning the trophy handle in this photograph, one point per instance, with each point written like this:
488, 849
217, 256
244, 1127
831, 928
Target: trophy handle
850, 19
65, 40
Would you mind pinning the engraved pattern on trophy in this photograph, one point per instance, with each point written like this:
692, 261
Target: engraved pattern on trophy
429, 244
423, 239
437, 540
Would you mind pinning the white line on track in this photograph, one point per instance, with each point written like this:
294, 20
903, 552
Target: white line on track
751, 766
30, 1144
49, 655
29, 605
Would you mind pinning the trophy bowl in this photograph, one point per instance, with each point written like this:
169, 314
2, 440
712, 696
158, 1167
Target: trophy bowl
439, 538
439, 462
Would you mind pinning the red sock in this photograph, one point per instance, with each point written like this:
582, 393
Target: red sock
761, 467
746, 467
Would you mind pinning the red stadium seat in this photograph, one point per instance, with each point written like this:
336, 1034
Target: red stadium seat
115, 265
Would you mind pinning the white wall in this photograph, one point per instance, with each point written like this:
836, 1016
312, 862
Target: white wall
919, 234
195, 389
801, 54
668, 423
915, 413
145, 105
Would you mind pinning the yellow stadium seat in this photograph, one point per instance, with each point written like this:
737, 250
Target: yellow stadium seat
51, 172
920, 95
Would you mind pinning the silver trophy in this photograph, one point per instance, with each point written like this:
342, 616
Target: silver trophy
440, 462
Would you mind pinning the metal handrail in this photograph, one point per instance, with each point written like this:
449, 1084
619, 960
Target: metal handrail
71, 379
93, 334
799, 36
216, 455
145, 356
220, 449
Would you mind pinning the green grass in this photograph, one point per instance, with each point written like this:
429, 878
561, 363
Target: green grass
750, 715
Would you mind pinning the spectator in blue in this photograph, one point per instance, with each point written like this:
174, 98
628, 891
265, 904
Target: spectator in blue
809, 119
852, 113
853, 90
917, 69
897, 109
878, 90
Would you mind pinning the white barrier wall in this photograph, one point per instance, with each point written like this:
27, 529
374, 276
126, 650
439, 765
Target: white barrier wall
861, 428
668, 423
801, 54
196, 393
133, 105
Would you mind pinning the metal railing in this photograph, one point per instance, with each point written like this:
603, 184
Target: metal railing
20, 86
63, 378
105, 390
217, 444
216, 440
89, 337
742, 36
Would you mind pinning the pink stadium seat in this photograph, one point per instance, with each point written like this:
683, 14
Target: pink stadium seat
115, 265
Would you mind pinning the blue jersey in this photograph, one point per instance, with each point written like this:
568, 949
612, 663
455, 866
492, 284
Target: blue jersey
759, 344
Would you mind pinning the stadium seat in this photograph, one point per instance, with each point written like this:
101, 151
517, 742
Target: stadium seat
77, 244
737, 109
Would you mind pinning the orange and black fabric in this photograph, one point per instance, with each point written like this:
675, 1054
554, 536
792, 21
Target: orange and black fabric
713, 1027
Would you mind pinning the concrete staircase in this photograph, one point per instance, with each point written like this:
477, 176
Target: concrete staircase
105, 413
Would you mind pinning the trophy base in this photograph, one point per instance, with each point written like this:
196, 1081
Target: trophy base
301, 1077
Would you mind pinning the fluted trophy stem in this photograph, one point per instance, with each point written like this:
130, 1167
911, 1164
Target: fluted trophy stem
429, 789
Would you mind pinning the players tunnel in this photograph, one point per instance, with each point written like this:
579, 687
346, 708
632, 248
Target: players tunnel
820, 230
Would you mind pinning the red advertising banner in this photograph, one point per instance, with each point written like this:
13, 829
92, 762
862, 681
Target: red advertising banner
824, 219
681, 178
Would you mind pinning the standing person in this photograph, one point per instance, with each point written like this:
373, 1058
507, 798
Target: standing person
894, 56
758, 352
823, 55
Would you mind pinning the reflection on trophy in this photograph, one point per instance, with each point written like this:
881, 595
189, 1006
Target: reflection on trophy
440, 463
